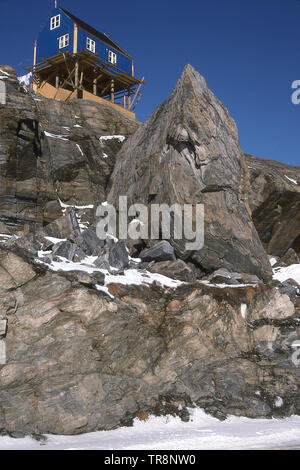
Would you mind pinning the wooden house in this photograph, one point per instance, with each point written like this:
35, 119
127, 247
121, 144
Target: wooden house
74, 60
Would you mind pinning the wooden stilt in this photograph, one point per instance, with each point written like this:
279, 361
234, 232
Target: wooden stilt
112, 91
57, 81
75, 39
95, 86
136, 94
76, 77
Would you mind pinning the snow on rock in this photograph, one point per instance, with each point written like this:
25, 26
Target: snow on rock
80, 150
2, 235
291, 272
133, 276
244, 311
120, 138
224, 286
272, 260
290, 179
279, 402
54, 136
130, 276
72, 206
202, 432
55, 240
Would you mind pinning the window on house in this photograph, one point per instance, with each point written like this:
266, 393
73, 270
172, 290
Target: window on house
91, 45
55, 22
112, 57
63, 41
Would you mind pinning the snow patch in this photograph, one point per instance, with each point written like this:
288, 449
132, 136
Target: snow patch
202, 432
244, 311
54, 136
55, 240
291, 272
290, 179
279, 402
224, 286
272, 261
80, 150
120, 138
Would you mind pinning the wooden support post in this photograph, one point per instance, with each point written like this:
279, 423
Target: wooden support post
105, 89
34, 63
95, 86
136, 94
57, 81
95, 83
75, 39
124, 101
112, 90
34, 53
76, 77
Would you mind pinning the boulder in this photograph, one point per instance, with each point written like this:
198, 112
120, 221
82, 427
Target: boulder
289, 258
188, 152
92, 241
64, 227
65, 249
223, 276
160, 251
118, 256
85, 278
174, 269
292, 289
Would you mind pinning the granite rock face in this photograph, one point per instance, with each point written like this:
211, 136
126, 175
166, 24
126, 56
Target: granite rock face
52, 151
188, 152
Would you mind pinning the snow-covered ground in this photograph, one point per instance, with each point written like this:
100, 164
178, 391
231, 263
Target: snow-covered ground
291, 272
167, 433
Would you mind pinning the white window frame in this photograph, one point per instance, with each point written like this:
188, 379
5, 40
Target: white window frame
91, 45
112, 57
63, 41
55, 22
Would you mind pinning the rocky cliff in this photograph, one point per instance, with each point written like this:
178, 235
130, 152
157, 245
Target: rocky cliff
94, 333
274, 198
54, 151
78, 361
188, 152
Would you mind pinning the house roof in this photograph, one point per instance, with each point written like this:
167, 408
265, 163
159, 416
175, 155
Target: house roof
89, 29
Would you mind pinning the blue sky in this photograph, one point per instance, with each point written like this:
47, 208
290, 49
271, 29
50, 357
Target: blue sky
248, 51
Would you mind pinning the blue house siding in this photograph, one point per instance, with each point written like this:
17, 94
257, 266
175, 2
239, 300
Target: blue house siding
123, 62
47, 43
